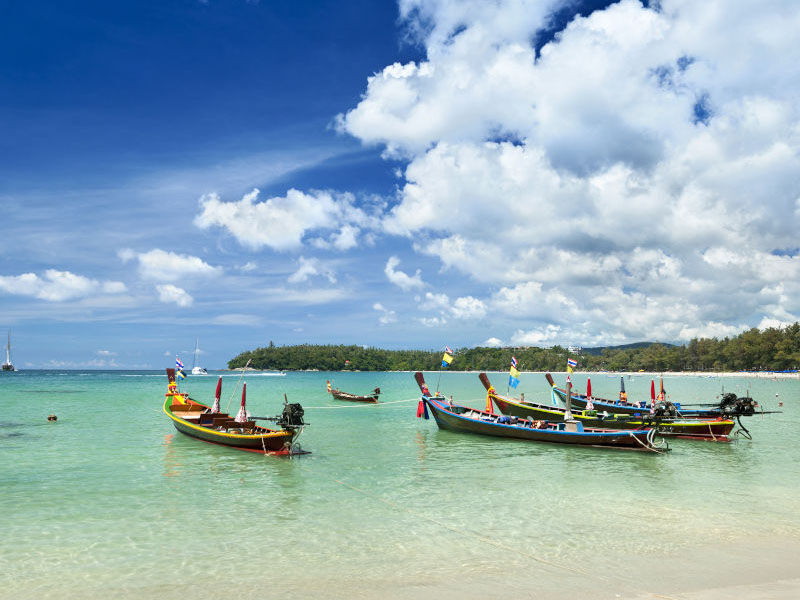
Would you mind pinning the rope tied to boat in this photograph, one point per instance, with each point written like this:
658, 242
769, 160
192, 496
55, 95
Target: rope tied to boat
650, 446
743, 431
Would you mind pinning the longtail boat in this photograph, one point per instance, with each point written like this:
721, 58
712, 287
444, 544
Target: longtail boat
455, 417
241, 432
716, 430
729, 406
340, 395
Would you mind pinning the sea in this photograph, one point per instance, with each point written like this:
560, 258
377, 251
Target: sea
110, 501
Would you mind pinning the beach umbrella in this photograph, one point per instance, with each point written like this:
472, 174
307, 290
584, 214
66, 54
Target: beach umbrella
241, 416
217, 395
589, 404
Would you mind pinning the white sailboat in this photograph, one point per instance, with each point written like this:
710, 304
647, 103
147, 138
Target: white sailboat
195, 369
7, 366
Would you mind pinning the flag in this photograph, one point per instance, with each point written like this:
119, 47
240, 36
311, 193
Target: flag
513, 362
513, 381
180, 374
448, 356
572, 362
178, 364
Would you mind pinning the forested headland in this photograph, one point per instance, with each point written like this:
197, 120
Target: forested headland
772, 349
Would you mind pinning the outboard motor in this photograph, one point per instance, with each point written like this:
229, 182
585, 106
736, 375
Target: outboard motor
732, 405
665, 409
292, 416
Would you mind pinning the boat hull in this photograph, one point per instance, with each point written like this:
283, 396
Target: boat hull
602, 404
337, 395
263, 439
716, 430
449, 420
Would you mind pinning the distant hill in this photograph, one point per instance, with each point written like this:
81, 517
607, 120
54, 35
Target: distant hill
635, 346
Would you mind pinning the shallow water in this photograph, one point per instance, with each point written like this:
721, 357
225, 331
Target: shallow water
111, 502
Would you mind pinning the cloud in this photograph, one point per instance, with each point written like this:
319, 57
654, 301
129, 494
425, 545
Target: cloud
282, 222
161, 265
468, 308
493, 342
634, 180
387, 316
106, 353
169, 293
311, 267
402, 280
58, 286
244, 320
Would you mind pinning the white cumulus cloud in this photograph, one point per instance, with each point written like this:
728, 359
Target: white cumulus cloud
636, 179
161, 265
282, 222
58, 286
401, 279
169, 293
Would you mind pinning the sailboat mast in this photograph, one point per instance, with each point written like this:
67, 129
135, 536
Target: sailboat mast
8, 349
194, 362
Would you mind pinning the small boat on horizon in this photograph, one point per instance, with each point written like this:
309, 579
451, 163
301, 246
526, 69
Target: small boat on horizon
7, 365
464, 419
211, 425
196, 370
340, 395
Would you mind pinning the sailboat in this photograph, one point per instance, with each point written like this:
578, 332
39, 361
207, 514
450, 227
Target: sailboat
195, 369
7, 366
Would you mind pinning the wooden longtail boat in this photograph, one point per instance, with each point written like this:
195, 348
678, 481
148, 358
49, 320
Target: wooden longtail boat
464, 419
340, 395
729, 406
210, 425
716, 430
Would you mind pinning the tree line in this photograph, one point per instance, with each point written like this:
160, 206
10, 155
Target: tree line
772, 349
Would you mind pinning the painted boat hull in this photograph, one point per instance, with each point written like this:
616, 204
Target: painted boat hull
602, 404
261, 440
337, 395
717, 430
447, 419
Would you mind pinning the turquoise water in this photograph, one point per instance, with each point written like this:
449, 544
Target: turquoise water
111, 502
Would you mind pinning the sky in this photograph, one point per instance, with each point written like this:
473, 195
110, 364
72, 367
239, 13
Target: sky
402, 175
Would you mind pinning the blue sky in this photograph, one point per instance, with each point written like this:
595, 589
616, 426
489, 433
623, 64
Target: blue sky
428, 173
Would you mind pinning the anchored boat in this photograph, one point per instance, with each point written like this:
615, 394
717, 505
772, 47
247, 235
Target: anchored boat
340, 395
7, 366
716, 430
241, 432
470, 420
729, 406
196, 369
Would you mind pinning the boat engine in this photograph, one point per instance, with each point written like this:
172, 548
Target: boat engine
733, 405
292, 416
665, 409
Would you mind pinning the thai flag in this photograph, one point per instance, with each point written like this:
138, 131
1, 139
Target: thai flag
572, 363
178, 364
447, 349
513, 362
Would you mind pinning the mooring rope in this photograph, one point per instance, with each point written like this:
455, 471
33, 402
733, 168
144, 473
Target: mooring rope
364, 405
